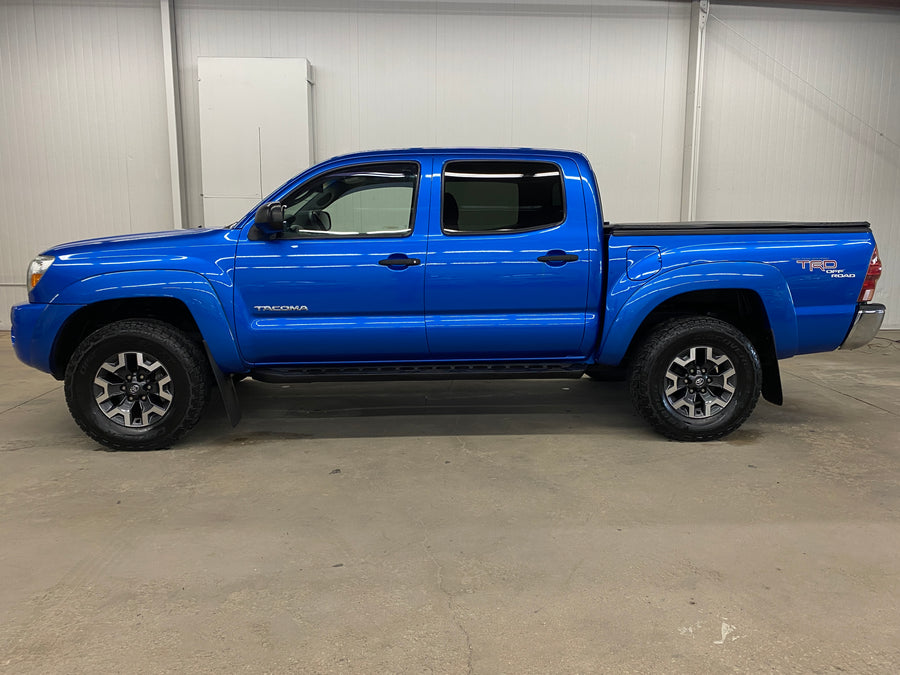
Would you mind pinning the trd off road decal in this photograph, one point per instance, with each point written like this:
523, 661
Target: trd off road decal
829, 267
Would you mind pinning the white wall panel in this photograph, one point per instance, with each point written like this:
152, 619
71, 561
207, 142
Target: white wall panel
84, 147
801, 120
393, 97
605, 78
801, 108
254, 130
637, 80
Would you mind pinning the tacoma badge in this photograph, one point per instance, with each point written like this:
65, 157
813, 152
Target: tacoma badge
281, 308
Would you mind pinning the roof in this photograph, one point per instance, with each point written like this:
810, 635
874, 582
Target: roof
413, 152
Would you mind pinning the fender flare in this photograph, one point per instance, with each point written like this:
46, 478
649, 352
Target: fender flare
191, 288
766, 280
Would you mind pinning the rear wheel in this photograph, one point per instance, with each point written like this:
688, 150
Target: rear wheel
695, 379
137, 384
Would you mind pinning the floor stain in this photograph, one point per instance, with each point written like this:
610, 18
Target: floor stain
266, 436
12, 446
742, 437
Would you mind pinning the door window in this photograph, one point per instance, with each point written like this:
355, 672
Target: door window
495, 197
372, 200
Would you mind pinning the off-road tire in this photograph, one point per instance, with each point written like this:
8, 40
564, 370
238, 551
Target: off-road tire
183, 360
663, 348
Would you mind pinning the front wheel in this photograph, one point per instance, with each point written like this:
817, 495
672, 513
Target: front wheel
137, 384
695, 379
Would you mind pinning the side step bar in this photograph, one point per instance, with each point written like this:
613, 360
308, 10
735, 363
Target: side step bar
405, 371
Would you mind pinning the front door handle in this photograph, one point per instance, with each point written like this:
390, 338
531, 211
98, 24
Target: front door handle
557, 258
400, 262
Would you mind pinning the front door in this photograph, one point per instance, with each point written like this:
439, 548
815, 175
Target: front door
344, 282
508, 260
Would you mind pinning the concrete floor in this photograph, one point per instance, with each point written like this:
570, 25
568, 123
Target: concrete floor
486, 527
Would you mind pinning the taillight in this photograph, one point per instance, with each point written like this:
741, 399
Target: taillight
872, 276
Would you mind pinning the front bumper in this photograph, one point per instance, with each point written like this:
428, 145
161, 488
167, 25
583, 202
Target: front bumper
865, 325
24, 319
34, 330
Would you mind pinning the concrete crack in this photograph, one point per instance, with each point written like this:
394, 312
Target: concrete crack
842, 393
33, 398
453, 614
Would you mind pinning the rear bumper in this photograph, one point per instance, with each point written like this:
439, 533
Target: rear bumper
865, 325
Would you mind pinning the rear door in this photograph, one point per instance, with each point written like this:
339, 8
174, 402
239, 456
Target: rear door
508, 259
345, 281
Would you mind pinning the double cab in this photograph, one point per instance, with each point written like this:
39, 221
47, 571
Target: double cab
444, 263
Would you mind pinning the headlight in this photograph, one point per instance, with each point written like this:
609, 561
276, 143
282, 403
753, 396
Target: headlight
37, 268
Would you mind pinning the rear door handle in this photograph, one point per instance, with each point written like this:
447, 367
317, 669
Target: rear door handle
400, 262
560, 258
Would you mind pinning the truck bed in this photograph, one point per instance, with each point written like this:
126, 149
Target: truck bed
736, 227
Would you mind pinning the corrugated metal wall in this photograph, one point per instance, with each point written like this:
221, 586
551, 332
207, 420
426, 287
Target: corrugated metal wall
83, 146
801, 107
607, 79
801, 120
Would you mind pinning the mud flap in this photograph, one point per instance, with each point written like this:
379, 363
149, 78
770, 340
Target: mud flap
226, 388
771, 384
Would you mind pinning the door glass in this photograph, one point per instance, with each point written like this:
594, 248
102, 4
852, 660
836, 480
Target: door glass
373, 200
493, 197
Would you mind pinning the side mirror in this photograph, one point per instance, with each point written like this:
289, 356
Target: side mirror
269, 218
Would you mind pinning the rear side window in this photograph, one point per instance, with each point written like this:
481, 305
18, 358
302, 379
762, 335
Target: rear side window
491, 197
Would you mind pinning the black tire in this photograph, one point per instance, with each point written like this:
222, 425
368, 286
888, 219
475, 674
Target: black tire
669, 390
167, 370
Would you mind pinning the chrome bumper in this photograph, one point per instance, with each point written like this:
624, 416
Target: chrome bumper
865, 325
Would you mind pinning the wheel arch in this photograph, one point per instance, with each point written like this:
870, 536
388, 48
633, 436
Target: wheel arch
678, 285
184, 300
744, 308
98, 314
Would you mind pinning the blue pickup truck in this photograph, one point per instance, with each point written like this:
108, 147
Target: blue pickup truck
447, 263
